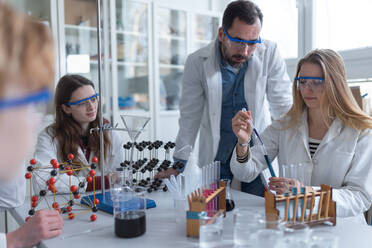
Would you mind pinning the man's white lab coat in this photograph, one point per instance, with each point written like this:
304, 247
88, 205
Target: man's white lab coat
266, 85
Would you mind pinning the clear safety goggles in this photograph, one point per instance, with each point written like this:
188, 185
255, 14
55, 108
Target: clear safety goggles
241, 44
37, 101
313, 83
84, 102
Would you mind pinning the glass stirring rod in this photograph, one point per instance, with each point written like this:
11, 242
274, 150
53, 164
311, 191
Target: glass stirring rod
262, 145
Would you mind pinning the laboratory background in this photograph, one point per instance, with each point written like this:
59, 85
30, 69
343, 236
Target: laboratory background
144, 47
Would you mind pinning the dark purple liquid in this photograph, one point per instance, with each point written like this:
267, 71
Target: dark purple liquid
130, 224
230, 205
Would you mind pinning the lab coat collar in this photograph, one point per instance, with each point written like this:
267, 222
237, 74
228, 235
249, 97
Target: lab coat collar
333, 131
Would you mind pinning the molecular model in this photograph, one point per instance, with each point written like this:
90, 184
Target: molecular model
147, 163
50, 174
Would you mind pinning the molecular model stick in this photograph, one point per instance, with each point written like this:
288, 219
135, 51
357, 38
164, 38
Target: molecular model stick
53, 172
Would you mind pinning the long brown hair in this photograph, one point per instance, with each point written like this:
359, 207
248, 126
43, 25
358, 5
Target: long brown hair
66, 130
337, 99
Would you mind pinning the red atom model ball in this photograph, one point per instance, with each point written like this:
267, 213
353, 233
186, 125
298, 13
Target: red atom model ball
92, 173
53, 161
71, 216
33, 161
94, 159
34, 198
71, 156
69, 208
28, 175
52, 180
73, 188
28, 218
89, 179
96, 201
93, 217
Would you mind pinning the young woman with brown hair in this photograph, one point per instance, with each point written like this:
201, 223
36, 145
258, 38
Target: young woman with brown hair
76, 106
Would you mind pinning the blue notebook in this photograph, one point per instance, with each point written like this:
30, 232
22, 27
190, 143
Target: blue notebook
106, 204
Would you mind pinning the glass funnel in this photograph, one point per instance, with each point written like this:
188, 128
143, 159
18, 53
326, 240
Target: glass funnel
134, 125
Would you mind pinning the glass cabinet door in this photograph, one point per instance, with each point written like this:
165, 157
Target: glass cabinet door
81, 38
171, 33
132, 55
80, 48
39, 9
205, 29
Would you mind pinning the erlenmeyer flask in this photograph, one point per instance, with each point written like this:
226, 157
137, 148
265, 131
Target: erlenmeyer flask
230, 204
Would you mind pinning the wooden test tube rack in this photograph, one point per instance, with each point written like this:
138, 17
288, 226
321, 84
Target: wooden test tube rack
325, 212
198, 203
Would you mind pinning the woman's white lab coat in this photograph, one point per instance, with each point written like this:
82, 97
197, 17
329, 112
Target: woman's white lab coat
46, 149
342, 160
267, 89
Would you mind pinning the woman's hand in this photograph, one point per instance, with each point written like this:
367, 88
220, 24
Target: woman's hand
241, 127
283, 185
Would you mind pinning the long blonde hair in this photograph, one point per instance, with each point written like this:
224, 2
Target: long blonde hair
26, 48
336, 100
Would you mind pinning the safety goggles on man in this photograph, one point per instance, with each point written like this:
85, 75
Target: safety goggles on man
314, 83
240, 44
83, 102
37, 100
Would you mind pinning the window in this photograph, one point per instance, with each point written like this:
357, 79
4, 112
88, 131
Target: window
280, 24
342, 25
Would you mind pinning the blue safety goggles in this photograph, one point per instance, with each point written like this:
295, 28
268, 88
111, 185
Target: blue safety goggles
42, 96
317, 78
242, 42
311, 82
81, 101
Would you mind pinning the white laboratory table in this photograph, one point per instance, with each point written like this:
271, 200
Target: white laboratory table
163, 231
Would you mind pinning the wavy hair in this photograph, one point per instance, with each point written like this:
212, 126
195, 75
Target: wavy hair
336, 100
66, 130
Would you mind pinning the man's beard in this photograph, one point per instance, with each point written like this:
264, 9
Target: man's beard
229, 59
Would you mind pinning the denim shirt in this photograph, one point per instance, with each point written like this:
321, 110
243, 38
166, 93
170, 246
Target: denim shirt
233, 100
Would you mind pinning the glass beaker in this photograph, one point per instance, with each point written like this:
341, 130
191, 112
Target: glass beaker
270, 231
129, 211
230, 204
210, 230
246, 221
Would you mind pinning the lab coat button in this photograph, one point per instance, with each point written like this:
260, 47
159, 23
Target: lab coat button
315, 161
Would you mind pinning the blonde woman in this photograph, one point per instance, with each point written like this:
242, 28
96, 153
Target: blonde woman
26, 79
325, 130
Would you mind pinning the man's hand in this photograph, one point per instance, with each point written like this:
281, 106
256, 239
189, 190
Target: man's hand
167, 173
45, 224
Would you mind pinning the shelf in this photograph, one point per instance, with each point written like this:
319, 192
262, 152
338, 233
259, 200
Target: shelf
76, 27
120, 63
172, 37
140, 64
131, 33
171, 66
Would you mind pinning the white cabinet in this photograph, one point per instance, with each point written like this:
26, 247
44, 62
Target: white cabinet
143, 50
